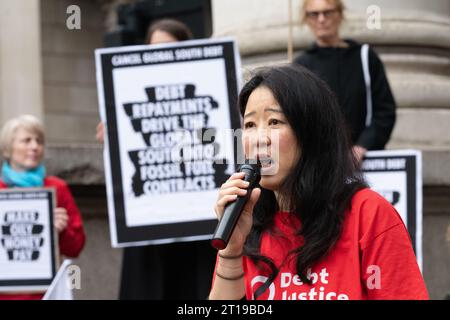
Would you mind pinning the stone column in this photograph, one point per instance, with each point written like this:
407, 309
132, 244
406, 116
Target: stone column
20, 59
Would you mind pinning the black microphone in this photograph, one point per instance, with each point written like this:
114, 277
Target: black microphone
232, 212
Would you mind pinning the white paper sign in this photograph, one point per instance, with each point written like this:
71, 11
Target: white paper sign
397, 175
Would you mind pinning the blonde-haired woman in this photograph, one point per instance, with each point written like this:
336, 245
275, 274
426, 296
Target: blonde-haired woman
22, 144
354, 72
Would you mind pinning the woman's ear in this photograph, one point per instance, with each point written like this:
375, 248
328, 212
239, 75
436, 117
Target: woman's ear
5, 155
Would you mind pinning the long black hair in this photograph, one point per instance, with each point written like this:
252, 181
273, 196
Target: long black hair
321, 184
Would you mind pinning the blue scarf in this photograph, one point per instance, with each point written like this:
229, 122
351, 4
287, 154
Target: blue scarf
29, 178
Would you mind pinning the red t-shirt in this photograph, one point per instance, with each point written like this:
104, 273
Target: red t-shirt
373, 258
71, 240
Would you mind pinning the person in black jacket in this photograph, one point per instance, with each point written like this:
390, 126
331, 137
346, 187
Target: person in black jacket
369, 106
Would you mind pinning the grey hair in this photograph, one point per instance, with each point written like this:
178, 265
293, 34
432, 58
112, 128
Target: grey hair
9, 130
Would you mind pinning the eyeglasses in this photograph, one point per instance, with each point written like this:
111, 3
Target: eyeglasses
314, 15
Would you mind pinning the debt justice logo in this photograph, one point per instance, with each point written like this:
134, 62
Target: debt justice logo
177, 158
22, 235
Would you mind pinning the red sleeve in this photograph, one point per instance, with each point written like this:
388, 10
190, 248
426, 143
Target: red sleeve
389, 268
72, 239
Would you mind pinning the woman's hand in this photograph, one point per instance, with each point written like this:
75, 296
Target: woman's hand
61, 219
228, 192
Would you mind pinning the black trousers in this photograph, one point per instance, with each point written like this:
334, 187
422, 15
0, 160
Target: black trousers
175, 271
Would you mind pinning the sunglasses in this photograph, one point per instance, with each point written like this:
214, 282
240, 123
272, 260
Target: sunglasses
315, 14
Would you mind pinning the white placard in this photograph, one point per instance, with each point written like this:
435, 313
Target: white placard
161, 104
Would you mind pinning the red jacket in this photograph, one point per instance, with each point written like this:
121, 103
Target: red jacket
72, 239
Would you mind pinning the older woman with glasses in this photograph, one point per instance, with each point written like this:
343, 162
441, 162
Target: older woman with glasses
355, 74
22, 145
